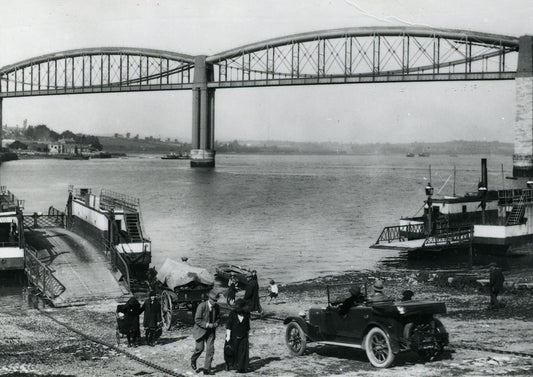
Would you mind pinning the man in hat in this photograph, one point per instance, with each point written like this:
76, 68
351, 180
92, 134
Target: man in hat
152, 321
206, 321
378, 295
251, 294
356, 297
496, 280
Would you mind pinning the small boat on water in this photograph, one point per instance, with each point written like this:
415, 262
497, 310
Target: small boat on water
11, 232
112, 221
410, 154
489, 221
224, 271
423, 154
176, 156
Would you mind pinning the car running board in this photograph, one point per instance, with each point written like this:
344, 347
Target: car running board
340, 344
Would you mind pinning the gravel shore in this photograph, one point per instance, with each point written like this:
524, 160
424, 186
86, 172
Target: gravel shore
35, 345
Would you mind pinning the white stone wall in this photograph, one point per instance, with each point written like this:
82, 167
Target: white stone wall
523, 127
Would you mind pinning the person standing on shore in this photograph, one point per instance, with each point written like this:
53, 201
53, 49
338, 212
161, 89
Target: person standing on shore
131, 311
237, 329
273, 290
152, 320
496, 280
251, 295
232, 289
206, 321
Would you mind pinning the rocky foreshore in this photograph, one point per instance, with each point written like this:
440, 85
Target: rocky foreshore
34, 345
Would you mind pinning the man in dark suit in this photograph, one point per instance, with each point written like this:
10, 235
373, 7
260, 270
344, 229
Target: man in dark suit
206, 321
495, 284
152, 321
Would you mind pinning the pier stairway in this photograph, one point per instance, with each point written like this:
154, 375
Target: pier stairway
81, 268
132, 224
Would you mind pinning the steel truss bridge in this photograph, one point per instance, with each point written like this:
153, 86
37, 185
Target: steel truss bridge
341, 56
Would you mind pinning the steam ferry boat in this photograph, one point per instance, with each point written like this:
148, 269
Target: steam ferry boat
11, 231
113, 221
488, 221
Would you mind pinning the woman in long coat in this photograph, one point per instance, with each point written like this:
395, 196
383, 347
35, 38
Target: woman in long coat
237, 329
132, 310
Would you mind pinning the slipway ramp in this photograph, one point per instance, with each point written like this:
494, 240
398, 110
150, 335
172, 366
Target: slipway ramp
80, 267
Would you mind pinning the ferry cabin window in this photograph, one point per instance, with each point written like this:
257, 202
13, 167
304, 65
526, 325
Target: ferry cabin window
464, 209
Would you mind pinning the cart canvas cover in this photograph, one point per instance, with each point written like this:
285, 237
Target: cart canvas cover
175, 274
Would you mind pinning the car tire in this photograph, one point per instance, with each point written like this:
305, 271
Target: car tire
378, 348
166, 310
429, 354
295, 339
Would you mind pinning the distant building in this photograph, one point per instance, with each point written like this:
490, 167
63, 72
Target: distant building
68, 146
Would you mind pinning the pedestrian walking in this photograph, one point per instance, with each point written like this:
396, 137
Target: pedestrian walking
496, 280
237, 330
206, 321
152, 321
232, 289
132, 310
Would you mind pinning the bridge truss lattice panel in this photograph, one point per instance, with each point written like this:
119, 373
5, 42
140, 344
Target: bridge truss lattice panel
100, 70
331, 58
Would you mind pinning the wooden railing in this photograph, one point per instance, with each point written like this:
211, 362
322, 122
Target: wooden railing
401, 233
41, 276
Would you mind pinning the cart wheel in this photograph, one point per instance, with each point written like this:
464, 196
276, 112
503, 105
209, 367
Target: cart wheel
166, 310
117, 334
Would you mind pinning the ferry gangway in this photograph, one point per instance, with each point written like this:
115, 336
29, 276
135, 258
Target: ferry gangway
41, 276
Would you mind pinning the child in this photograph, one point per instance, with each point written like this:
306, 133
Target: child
273, 290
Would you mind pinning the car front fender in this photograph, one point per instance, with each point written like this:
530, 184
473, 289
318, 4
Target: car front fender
394, 340
298, 320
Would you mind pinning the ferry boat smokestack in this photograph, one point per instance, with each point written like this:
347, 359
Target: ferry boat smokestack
484, 174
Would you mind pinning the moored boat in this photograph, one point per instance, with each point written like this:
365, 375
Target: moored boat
112, 221
225, 270
11, 232
487, 221
176, 156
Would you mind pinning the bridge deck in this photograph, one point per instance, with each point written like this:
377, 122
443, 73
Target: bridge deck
77, 264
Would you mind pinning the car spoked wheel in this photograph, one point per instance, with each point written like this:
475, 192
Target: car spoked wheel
295, 339
426, 339
378, 348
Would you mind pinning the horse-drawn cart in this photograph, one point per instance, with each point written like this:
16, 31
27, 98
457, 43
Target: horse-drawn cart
183, 288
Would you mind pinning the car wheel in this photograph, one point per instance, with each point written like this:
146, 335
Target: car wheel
378, 348
295, 338
416, 333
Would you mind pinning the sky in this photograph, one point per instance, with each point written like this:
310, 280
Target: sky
356, 113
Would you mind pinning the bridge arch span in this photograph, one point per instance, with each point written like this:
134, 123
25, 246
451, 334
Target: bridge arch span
97, 70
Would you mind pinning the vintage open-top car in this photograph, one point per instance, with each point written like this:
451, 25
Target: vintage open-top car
382, 329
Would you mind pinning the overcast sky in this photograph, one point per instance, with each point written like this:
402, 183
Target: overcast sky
401, 112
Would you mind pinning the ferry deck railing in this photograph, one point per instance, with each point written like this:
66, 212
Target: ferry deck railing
117, 262
41, 276
401, 233
449, 237
54, 218
507, 197
110, 200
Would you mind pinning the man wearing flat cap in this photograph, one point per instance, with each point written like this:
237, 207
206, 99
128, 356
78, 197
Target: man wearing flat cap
152, 321
206, 321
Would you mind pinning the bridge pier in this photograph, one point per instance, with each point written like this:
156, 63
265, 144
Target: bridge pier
203, 115
523, 126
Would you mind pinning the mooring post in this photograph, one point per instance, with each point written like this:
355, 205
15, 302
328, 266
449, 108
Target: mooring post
203, 115
523, 126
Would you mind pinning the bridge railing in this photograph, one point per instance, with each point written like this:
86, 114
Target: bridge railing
41, 276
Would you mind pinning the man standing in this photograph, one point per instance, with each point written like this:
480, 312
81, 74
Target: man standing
152, 321
206, 321
495, 284
251, 294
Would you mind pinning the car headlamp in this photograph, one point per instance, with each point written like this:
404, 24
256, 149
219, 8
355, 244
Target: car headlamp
401, 309
302, 314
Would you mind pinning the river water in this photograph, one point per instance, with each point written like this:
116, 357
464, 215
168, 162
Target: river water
289, 217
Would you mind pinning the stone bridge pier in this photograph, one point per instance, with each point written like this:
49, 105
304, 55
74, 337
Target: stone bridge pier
203, 115
523, 126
